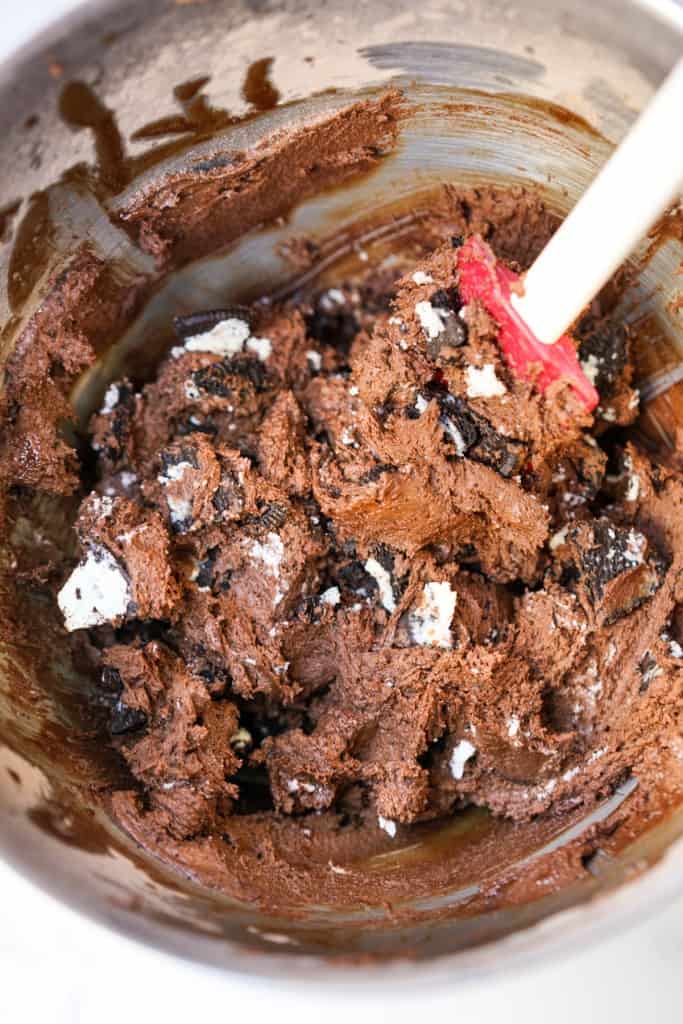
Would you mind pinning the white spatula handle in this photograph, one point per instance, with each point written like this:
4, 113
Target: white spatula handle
631, 191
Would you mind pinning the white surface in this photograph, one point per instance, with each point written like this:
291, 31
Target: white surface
58, 968
600, 231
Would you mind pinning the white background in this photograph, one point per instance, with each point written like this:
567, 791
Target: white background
57, 968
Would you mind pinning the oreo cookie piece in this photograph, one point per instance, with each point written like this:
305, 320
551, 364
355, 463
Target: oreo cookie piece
616, 568
182, 453
501, 453
604, 355
273, 516
454, 333
224, 379
474, 437
332, 325
228, 499
122, 717
194, 324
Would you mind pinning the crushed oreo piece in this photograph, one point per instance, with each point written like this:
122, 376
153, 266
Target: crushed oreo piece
124, 403
122, 718
458, 421
199, 427
216, 680
273, 516
617, 567
208, 673
241, 741
202, 322
228, 497
353, 576
649, 670
125, 719
383, 411
214, 380
376, 472
385, 556
111, 681
387, 559
184, 453
222, 379
447, 299
473, 435
335, 327
454, 333
224, 581
611, 553
503, 454
121, 417
606, 351
205, 569
249, 367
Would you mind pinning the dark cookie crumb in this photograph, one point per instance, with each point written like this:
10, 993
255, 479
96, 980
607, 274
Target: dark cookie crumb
335, 327
472, 435
122, 718
273, 517
183, 453
605, 350
200, 323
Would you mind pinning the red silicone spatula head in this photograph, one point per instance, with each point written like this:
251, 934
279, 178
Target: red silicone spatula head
482, 277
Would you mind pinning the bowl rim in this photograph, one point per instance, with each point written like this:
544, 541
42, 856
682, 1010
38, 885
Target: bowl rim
553, 937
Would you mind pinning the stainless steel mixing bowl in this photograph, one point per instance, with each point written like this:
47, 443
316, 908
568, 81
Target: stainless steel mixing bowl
533, 90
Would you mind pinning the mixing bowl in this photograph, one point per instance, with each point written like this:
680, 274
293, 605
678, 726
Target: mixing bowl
502, 92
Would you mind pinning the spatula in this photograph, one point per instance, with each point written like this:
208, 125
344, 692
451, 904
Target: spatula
632, 190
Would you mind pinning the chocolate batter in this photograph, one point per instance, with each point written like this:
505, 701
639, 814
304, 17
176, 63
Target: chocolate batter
361, 617
341, 574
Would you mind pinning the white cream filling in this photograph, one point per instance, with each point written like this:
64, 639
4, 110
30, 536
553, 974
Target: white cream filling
262, 347
430, 620
483, 383
180, 508
383, 581
462, 752
419, 277
111, 399
387, 825
270, 553
227, 338
431, 319
96, 592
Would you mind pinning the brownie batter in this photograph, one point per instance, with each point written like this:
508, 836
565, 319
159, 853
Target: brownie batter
341, 570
